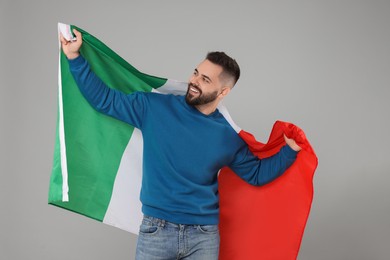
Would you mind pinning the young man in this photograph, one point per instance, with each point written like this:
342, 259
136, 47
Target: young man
186, 142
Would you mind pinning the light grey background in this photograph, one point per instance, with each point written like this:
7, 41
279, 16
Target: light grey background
323, 65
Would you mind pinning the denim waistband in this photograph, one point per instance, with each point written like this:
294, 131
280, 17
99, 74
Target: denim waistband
162, 222
157, 221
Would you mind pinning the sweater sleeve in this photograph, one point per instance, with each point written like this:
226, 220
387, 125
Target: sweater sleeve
257, 171
112, 102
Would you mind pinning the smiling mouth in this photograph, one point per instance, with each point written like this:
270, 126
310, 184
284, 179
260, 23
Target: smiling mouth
194, 89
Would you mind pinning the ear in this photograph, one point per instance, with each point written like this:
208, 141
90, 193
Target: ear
225, 91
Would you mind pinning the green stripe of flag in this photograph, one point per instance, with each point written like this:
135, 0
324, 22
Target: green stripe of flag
94, 142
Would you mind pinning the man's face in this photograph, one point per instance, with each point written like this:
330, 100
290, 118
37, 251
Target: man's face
204, 85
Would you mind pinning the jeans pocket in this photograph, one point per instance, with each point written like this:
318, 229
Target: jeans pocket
148, 229
208, 229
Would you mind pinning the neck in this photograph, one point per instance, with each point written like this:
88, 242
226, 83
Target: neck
208, 108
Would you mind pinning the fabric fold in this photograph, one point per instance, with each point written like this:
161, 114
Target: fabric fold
97, 166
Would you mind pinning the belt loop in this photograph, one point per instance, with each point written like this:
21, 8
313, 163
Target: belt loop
162, 223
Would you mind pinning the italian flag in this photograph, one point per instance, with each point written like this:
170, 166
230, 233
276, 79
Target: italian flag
97, 166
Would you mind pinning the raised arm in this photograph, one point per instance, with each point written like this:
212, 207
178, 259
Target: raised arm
127, 108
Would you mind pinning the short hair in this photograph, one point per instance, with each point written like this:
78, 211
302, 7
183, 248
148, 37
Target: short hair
229, 65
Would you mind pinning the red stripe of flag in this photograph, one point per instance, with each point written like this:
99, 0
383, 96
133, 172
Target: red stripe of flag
267, 222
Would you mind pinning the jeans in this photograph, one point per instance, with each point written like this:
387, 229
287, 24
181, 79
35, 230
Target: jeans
161, 240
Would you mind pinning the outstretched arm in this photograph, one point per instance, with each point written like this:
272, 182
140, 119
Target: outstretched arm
258, 171
127, 108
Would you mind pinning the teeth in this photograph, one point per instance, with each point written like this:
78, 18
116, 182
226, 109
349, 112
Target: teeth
194, 90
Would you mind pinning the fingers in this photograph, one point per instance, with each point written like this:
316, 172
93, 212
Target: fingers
292, 143
63, 40
78, 35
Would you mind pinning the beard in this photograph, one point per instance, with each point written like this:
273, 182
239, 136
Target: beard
202, 99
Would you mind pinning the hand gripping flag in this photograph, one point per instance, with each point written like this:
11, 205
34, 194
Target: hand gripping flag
97, 166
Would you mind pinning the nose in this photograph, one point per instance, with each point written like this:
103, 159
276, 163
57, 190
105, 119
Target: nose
194, 80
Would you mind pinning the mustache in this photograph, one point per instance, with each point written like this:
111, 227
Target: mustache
195, 87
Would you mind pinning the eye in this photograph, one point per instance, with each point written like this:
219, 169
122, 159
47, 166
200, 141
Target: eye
206, 80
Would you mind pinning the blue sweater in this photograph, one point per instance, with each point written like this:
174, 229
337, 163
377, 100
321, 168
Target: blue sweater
183, 150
